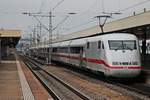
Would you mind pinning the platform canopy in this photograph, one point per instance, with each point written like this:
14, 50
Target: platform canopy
132, 24
9, 37
10, 33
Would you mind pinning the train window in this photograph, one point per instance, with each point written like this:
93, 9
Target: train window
88, 45
54, 49
99, 44
122, 44
64, 49
47, 49
75, 50
102, 45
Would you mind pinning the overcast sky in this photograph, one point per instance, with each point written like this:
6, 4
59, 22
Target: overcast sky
11, 12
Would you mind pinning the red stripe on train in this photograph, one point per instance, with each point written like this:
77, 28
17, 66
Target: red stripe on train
93, 60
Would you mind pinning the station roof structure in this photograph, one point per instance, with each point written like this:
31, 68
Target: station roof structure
9, 37
132, 23
10, 33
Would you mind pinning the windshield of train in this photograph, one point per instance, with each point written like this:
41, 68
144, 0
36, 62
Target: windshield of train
122, 44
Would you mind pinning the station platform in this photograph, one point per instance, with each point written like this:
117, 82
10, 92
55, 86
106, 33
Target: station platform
18, 83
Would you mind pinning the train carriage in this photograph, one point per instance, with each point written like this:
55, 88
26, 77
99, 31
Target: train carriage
114, 54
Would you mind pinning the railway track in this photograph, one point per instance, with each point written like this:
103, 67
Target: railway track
140, 88
136, 85
59, 89
133, 86
136, 88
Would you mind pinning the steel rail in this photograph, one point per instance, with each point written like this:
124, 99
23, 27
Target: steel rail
132, 88
75, 91
50, 91
137, 89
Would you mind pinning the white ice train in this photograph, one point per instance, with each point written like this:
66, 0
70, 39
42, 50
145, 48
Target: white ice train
114, 54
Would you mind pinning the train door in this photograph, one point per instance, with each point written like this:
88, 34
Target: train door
87, 54
69, 52
82, 56
103, 57
93, 55
103, 51
100, 54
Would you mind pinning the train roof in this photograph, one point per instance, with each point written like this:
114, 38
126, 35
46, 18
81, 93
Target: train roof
113, 36
82, 41
78, 42
39, 46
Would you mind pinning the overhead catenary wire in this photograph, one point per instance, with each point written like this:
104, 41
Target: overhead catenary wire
135, 5
57, 5
82, 24
11, 13
91, 6
103, 9
44, 26
41, 7
60, 23
85, 23
120, 10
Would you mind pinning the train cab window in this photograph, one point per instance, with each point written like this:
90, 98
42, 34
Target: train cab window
88, 45
99, 44
122, 44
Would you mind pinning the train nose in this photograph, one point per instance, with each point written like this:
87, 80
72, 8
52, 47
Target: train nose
126, 73
125, 63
